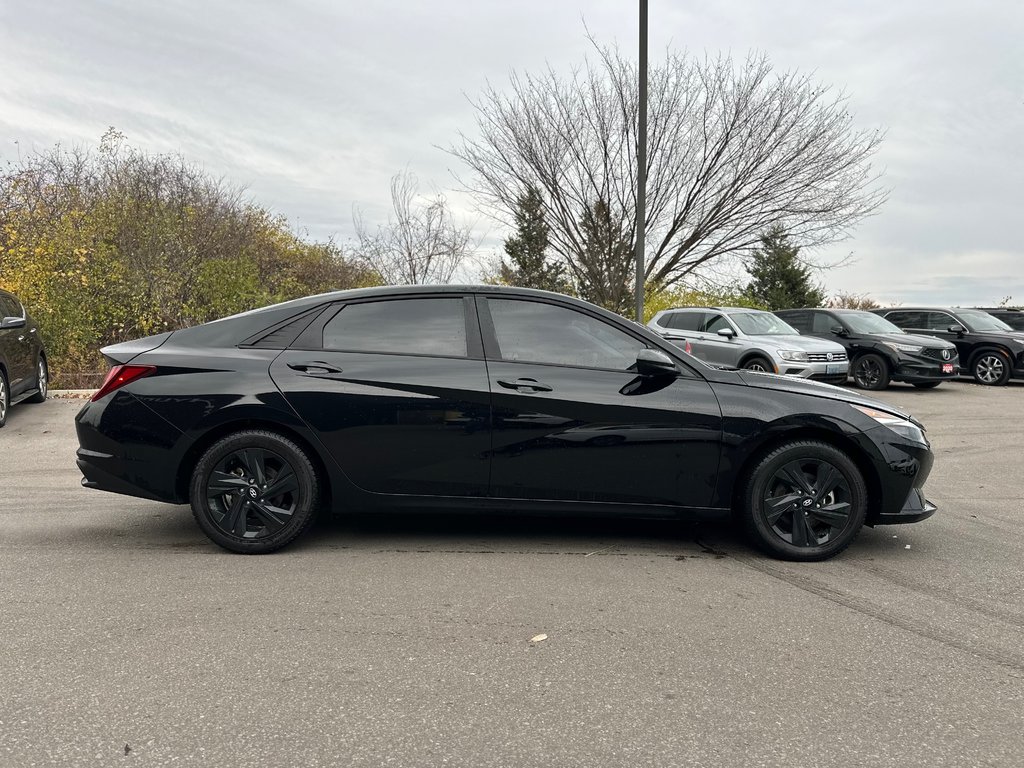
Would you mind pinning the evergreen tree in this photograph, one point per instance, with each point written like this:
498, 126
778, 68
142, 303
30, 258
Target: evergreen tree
606, 262
528, 265
779, 279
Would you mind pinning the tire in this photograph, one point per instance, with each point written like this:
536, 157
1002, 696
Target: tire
234, 498
42, 382
871, 372
758, 363
927, 384
5, 398
991, 368
784, 512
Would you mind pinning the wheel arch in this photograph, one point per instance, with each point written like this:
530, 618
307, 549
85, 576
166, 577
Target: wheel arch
749, 355
836, 439
988, 347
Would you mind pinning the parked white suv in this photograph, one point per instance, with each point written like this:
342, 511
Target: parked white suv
751, 339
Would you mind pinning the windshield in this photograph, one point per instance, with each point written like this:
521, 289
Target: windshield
982, 321
762, 324
865, 322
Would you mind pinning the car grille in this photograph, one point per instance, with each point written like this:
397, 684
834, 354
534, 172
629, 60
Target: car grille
826, 357
936, 354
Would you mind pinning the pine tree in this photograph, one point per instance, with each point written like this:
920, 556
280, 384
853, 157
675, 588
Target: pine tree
779, 279
528, 265
606, 261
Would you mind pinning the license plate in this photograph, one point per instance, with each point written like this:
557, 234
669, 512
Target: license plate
835, 369
947, 367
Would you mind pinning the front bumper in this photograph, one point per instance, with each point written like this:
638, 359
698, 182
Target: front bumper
915, 508
922, 368
835, 372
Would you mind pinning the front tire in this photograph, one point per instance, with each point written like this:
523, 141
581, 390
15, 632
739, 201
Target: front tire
991, 369
759, 364
42, 382
254, 492
5, 398
804, 501
871, 372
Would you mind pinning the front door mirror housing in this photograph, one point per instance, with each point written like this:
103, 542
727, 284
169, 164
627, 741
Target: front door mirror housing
838, 330
726, 332
654, 362
959, 330
12, 322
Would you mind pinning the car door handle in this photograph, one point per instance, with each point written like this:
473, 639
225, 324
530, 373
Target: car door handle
314, 367
525, 385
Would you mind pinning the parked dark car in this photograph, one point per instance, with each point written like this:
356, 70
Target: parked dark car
488, 400
1012, 316
23, 371
879, 351
990, 350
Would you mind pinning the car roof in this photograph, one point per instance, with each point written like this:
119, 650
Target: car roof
726, 310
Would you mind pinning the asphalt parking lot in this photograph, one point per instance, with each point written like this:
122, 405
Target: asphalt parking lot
127, 638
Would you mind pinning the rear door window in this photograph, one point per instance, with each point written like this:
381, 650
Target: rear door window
907, 319
799, 320
686, 321
400, 326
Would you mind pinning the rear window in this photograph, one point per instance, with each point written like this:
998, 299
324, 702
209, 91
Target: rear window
685, 321
401, 326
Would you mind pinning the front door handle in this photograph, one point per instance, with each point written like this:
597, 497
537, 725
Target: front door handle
314, 367
525, 385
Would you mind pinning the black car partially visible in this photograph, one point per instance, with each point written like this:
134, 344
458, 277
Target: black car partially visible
486, 400
879, 351
23, 371
990, 350
1012, 316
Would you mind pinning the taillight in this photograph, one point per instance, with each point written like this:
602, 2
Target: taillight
689, 349
119, 376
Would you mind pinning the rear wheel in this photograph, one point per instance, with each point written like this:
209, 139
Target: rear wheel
5, 398
991, 369
254, 492
805, 500
871, 372
42, 382
759, 363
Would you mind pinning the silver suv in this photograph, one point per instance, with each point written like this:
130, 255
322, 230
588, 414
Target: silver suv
751, 339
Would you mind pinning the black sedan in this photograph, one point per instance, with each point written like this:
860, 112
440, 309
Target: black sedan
879, 351
23, 371
485, 399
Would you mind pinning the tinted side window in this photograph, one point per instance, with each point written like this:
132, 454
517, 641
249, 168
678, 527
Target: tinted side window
529, 331
906, 319
686, 321
402, 326
715, 323
9, 307
939, 321
823, 323
799, 320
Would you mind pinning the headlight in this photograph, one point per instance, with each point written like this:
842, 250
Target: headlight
900, 426
904, 347
795, 356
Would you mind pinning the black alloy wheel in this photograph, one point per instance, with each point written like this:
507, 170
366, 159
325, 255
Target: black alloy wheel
871, 372
991, 369
5, 398
42, 382
759, 364
804, 501
254, 492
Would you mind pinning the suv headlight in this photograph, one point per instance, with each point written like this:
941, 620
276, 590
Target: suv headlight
793, 355
897, 424
904, 347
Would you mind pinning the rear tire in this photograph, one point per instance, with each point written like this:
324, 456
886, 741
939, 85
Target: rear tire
5, 398
804, 501
42, 382
991, 369
254, 492
871, 372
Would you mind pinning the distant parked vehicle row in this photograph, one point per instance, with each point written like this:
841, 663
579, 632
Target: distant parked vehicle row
752, 339
23, 371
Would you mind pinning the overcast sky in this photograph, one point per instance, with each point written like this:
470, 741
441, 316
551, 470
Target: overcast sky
313, 105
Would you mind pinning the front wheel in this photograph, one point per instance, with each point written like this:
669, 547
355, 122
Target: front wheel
804, 501
253, 492
991, 369
759, 364
42, 382
871, 372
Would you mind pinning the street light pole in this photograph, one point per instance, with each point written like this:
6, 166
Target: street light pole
641, 163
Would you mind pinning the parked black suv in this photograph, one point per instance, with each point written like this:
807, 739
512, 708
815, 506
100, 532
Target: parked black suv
1012, 317
879, 351
23, 372
989, 349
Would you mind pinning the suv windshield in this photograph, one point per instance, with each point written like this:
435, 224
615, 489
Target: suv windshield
982, 321
762, 324
865, 322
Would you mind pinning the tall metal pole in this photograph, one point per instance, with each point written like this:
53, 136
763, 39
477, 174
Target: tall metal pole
641, 164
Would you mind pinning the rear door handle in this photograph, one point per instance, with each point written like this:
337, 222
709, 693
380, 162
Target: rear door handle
314, 367
525, 385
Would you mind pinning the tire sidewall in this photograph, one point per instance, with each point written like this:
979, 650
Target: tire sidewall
1002, 358
6, 395
762, 535
286, 450
766, 366
883, 365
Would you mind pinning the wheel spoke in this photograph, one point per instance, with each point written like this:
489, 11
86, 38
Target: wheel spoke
236, 517
273, 517
800, 530
793, 474
778, 505
284, 482
226, 482
826, 482
255, 464
834, 515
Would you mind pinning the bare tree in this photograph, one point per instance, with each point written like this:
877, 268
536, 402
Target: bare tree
845, 300
733, 149
421, 244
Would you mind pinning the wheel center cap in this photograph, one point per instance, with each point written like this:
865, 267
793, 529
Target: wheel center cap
253, 492
808, 502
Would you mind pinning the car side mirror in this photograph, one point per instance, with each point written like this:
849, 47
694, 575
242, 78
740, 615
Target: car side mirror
959, 330
654, 362
838, 330
13, 322
727, 332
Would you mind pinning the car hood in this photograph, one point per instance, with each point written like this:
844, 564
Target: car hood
929, 342
805, 343
817, 389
